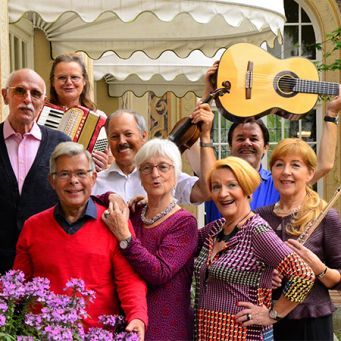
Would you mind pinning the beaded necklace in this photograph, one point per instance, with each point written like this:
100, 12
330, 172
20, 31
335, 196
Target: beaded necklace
157, 217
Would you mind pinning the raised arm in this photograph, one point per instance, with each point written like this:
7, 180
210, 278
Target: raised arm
326, 154
203, 115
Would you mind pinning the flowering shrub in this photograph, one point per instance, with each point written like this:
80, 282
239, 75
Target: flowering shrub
29, 311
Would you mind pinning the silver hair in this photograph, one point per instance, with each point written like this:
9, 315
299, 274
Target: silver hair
160, 147
140, 121
69, 149
15, 72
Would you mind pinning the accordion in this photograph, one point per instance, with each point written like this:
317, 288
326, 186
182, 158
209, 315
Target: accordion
81, 124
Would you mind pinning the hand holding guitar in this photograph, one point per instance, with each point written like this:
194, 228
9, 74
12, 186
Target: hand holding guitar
211, 79
334, 107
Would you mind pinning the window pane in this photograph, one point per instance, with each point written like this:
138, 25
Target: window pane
304, 16
308, 42
305, 128
291, 41
291, 11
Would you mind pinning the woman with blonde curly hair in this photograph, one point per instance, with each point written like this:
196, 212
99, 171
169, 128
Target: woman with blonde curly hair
293, 164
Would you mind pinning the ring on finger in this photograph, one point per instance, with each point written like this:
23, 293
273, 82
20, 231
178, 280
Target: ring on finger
248, 317
106, 214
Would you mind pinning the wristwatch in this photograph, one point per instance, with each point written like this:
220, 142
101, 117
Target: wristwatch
274, 314
125, 243
206, 144
331, 119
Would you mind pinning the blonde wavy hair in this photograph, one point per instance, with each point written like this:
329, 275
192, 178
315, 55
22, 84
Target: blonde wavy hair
312, 204
247, 177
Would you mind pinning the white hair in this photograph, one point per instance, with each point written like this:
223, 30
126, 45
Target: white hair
160, 147
69, 148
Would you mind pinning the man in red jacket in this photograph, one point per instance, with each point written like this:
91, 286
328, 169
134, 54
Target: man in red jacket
70, 240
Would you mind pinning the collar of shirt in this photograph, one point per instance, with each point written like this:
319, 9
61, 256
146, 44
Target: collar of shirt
9, 131
116, 169
264, 173
90, 213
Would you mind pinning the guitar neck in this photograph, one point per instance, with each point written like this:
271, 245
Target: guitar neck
316, 87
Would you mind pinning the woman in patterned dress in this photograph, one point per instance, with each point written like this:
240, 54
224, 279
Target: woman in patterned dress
162, 252
293, 163
238, 254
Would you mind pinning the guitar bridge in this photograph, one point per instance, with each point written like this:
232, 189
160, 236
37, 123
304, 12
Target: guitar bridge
248, 80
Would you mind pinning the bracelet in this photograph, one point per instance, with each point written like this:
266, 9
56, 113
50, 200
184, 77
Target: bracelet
208, 145
322, 274
334, 120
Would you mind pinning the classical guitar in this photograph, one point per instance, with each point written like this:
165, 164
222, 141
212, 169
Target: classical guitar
262, 84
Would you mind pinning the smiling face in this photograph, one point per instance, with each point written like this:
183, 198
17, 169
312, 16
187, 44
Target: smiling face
160, 179
73, 192
125, 140
227, 194
291, 175
24, 107
69, 83
248, 143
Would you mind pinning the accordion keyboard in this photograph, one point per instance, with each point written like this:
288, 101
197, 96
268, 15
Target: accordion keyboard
50, 117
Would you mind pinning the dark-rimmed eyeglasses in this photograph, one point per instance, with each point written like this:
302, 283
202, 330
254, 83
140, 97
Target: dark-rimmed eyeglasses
66, 175
162, 167
21, 92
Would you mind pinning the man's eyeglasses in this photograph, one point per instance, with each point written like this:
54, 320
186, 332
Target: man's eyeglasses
66, 175
21, 91
162, 167
64, 78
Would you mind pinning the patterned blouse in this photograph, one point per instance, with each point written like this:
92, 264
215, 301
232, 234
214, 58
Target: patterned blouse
242, 272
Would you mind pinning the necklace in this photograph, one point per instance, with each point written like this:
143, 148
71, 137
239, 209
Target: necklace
280, 212
221, 236
157, 217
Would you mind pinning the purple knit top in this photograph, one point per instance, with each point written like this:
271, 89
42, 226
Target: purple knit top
163, 256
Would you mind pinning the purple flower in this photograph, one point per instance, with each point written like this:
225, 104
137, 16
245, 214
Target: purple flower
78, 286
75, 284
111, 320
13, 285
132, 337
2, 320
3, 306
98, 334
34, 320
38, 287
31, 308
57, 333
124, 336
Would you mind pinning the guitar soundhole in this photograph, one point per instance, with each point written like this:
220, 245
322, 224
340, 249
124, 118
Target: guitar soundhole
284, 83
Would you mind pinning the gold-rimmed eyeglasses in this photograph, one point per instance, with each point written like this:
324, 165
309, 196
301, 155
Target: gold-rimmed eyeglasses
22, 92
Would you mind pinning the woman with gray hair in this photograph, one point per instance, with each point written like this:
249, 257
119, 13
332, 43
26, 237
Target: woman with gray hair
162, 252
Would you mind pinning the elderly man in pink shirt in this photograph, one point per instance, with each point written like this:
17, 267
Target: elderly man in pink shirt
25, 148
